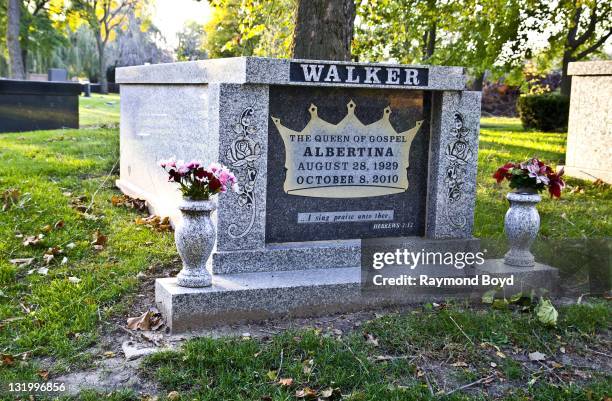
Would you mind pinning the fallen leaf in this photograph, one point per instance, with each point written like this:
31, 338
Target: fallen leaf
546, 312
150, 320
33, 239
500, 354
155, 222
562, 349
488, 297
21, 262
307, 366
173, 396
8, 359
109, 354
537, 356
330, 393
44, 374
287, 381
43, 271
10, 197
59, 224
271, 374
64, 260
460, 364
74, 280
99, 239
370, 339
306, 392
46, 229
71, 245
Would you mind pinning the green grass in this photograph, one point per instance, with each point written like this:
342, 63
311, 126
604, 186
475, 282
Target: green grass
50, 316
98, 110
246, 369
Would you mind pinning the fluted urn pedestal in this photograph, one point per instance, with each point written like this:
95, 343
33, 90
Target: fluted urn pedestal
521, 225
195, 238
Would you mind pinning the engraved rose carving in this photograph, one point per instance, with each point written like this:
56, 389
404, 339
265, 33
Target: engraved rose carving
242, 151
459, 151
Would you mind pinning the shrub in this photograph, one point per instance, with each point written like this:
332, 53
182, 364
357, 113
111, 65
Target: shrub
548, 112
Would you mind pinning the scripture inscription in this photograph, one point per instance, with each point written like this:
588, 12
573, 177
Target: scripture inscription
357, 74
346, 160
345, 217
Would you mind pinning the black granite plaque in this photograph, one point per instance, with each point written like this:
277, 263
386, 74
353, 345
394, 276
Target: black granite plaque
357, 165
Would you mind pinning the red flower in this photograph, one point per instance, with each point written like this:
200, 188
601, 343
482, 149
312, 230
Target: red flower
214, 184
556, 184
503, 172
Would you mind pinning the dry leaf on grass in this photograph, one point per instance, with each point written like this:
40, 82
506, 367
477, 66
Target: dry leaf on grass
99, 240
10, 197
370, 339
330, 393
21, 262
126, 201
287, 381
44, 374
59, 224
460, 364
306, 393
31, 240
150, 320
155, 222
74, 280
8, 359
307, 366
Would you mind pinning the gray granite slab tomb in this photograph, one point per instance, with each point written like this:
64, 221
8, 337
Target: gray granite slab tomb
404, 139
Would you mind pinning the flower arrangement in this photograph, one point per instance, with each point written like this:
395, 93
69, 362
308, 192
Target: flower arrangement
531, 174
197, 182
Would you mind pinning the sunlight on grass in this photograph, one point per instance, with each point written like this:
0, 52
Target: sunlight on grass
98, 109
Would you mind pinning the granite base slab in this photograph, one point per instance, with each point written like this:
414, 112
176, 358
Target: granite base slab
540, 278
298, 293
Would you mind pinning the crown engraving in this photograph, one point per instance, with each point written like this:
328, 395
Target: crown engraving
348, 159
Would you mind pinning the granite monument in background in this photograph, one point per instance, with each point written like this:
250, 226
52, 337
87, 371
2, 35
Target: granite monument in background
589, 137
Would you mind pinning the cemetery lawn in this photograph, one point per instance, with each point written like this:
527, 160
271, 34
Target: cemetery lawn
54, 311
98, 110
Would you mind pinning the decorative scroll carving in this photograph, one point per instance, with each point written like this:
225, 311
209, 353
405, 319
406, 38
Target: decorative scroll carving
242, 154
459, 153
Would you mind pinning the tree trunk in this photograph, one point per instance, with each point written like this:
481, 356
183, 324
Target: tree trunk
430, 43
566, 80
324, 29
102, 67
478, 82
16, 68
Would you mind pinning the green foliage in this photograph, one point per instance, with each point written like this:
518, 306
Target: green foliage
191, 42
250, 28
548, 112
468, 32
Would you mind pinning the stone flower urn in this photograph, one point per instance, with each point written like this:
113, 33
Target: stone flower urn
521, 226
195, 237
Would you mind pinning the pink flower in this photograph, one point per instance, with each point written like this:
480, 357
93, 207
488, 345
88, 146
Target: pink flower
214, 167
